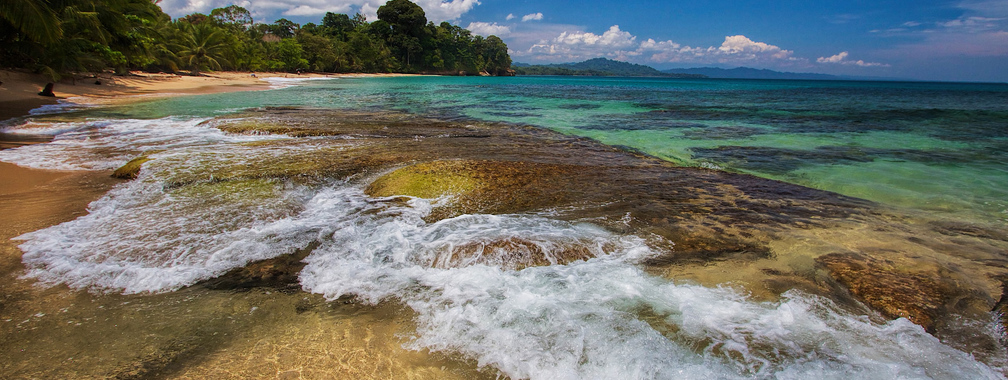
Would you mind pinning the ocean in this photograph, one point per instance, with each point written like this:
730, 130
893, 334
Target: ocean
674, 228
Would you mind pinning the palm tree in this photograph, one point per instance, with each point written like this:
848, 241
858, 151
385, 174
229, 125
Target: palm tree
203, 45
33, 19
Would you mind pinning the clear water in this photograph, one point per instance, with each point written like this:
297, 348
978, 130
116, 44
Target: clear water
939, 147
933, 147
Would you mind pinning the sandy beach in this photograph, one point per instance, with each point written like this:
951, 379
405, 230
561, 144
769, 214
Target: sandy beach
19, 90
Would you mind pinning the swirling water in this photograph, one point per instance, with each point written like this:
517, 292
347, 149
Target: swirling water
931, 147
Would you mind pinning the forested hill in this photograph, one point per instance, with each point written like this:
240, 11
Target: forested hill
86, 36
596, 67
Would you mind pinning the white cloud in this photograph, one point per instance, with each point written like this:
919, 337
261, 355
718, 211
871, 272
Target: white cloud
438, 10
486, 29
734, 50
306, 10
532, 17
978, 32
618, 44
510, 17
614, 37
613, 43
841, 59
747, 49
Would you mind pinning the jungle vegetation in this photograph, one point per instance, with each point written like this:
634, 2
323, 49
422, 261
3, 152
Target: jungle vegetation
58, 37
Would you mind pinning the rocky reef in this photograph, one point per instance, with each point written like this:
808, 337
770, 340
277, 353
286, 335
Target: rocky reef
710, 227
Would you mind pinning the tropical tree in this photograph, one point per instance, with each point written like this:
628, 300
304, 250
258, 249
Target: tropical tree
406, 22
232, 16
32, 20
203, 46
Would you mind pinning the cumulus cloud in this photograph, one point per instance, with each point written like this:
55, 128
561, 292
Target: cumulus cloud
736, 49
307, 10
486, 29
510, 17
618, 44
532, 17
269, 10
438, 10
841, 59
748, 49
613, 43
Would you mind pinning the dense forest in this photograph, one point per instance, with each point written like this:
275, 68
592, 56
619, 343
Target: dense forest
57, 37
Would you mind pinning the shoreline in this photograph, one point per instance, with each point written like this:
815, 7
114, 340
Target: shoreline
19, 90
793, 237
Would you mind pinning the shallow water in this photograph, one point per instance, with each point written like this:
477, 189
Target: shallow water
211, 202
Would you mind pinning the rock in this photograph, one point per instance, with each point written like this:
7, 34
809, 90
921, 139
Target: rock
494, 187
132, 169
515, 253
280, 273
48, 90
923, 294
1001, 310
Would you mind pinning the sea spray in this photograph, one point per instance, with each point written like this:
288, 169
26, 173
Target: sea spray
585, 319
602, 316
108, 144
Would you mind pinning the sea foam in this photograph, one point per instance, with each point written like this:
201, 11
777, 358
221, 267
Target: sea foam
603, 317
600, 316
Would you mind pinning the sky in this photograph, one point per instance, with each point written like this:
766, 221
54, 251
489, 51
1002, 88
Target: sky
965, 40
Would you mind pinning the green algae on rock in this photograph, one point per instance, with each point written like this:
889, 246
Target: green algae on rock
131, 169
703, 223
491, 187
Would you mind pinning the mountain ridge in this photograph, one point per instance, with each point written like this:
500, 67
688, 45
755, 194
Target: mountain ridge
608, 67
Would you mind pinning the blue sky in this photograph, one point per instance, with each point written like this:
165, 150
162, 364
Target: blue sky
928, 40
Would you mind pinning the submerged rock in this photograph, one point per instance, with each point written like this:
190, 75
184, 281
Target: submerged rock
924, 294
514, 253
486, 187
280, 273
707, 226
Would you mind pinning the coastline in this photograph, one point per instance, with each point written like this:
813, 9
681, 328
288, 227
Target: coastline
710, 228
19, 90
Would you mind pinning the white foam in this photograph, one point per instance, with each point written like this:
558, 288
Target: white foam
582, 320
602, 317
108, 144
61, 106
278, 82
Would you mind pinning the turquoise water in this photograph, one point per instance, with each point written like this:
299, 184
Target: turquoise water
937, 147
931, 147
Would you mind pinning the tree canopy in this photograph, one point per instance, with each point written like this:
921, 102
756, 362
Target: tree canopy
58, 37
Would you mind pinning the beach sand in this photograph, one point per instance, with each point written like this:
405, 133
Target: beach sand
19, 90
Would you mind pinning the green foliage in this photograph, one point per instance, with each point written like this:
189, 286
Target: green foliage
203, 47
232, 16
284, 28
73, 36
